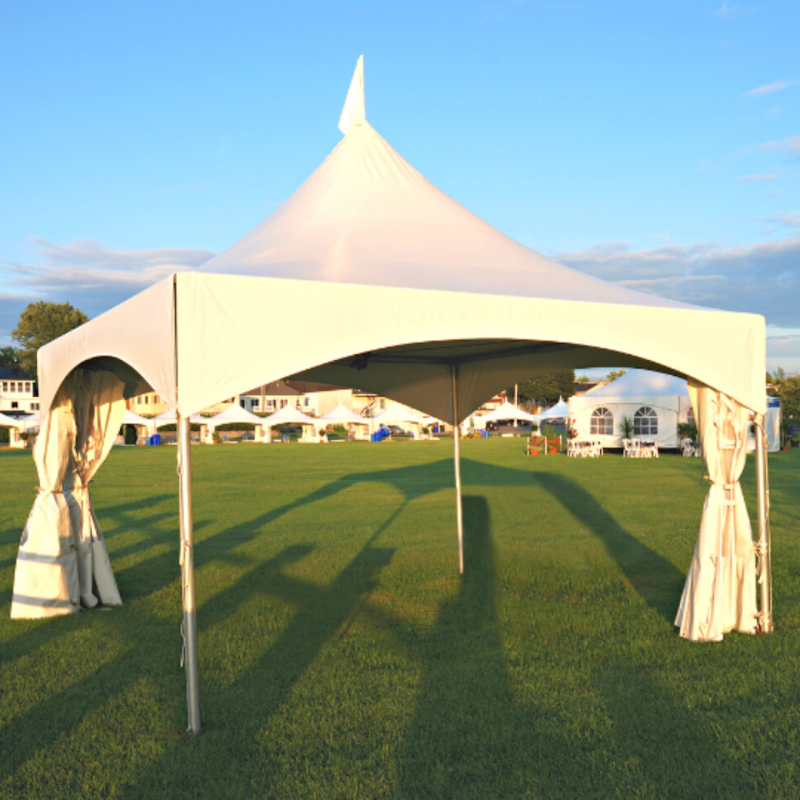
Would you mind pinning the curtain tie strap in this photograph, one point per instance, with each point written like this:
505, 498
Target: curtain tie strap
727, 486
726, 444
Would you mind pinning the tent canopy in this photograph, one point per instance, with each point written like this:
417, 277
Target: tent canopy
288, 415
397, 413
343, 415
640, 383
235, 413
11, 422
134, 419
560, 409
508, 411
434, 286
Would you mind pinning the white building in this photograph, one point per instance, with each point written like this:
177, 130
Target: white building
18, 392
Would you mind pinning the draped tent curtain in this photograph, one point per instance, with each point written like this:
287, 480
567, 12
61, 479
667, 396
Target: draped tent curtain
720, 591
63, 561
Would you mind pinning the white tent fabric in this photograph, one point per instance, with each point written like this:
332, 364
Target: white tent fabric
638, 389
720, 591
11, 422
62, 557
233, 414
32, 421
387, 283
168, 417
396, 414
134, 419
290, 415
505, 411
557, 411
343, 415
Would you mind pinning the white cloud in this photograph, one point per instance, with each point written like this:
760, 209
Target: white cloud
761, 278
760, 178
87, 274
769, 88
790, 145
734, 10
790, 219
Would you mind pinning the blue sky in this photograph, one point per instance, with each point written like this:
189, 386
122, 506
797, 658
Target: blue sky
655, 144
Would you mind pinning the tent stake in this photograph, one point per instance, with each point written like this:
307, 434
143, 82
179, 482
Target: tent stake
457, 460
187, 574
763, 547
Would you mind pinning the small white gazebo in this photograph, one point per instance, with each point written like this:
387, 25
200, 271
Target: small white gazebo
341, 415
15, 426
505, 411
235, 413
131, 418
397, 414
291, 415
557, 411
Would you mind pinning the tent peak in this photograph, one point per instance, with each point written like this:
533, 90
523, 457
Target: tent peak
353, 113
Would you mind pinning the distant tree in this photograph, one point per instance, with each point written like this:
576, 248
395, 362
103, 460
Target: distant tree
789, 392
40, 323
546, 389
8, 357
614, 374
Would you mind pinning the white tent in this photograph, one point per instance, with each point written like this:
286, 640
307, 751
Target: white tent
291, 415
11, 422
398, 414
32, 421
504, 411
558, 411
341, 415
15, 426
388, 284
654, 402
134, 419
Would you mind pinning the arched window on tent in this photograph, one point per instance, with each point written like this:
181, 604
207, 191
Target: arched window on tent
645, 422
602, 422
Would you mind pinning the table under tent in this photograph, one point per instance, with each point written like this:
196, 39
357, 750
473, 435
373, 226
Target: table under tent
387, 284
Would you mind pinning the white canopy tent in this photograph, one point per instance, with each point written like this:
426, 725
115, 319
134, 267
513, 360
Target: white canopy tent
559, 410
291, 415
398, 414
341, 415
505, 410
32, 421
236, 414
654, 402
15, 426
449, 310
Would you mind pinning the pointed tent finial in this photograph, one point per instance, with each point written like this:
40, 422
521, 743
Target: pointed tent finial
353, 112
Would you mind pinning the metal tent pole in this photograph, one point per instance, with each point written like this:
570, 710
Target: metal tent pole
763, 547
457, 460
189, 627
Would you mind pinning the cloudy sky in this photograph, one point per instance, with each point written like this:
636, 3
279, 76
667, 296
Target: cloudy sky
652, 144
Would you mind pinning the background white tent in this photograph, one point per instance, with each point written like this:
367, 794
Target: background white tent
236, 414
639, 391
388, 284
398, 414
32, 421
559, 410
15, 427
341, 415
291, 415
504, 411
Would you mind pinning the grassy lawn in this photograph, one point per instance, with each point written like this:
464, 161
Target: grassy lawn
341, 656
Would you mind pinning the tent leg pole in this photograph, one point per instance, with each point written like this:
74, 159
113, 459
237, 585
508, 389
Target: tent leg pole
764, 544
187, 575
457, 460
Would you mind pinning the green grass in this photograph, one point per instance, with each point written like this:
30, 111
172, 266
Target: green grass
341, 656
